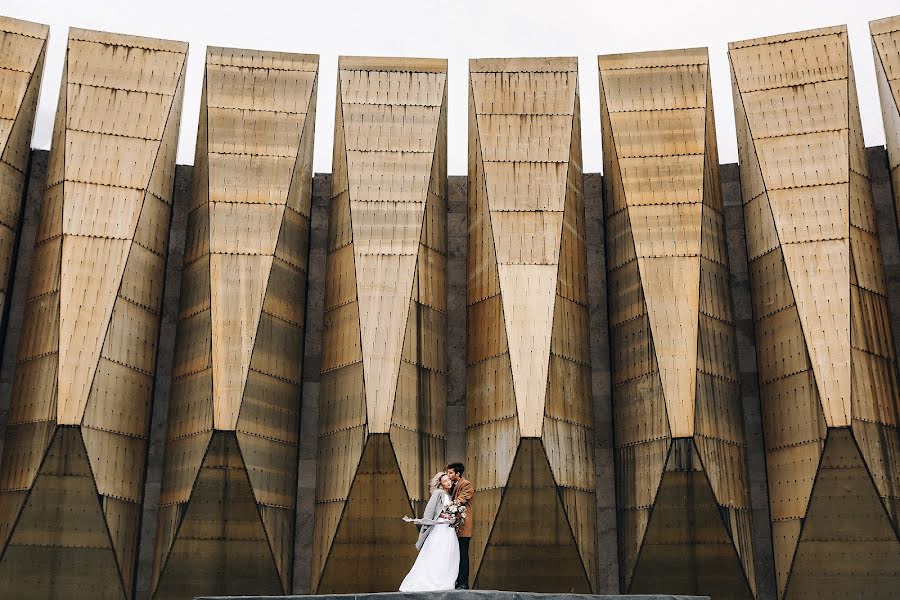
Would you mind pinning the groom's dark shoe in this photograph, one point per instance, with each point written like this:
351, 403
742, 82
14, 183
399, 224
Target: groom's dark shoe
462, 586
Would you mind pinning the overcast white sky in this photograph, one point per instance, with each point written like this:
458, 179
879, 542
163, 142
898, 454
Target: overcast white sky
458, 30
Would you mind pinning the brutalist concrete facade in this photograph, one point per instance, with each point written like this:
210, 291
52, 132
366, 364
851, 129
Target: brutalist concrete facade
607, 567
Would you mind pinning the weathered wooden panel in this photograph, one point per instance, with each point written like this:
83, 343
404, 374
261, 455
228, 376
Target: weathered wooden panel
382, 423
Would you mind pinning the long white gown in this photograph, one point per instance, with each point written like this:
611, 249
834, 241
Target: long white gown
437, 565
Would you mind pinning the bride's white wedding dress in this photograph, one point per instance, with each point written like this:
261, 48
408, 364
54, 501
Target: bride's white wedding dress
437, 565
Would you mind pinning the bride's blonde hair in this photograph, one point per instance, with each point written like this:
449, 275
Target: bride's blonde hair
435, 484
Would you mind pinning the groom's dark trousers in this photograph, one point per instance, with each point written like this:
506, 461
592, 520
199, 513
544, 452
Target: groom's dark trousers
463, 577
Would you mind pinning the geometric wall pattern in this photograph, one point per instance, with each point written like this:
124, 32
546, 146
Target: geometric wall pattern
682, 479
827, 369
384, 366
72, 472
529, 445
22, 49
886, 47
226, 519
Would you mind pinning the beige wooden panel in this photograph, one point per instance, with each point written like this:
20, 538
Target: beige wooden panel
527, 238
640, 411
131, 337
419, 457
490, 451
245, 131
635, 356
194, 350
489, 391
392, 128
570, 337
526, 186
873, 385
271, 468
286, 293
152, 230
809, 159
249, 178
482, 280
524, 92
191, 406
278, 348
425, 338
386, 227
879, 446
38, 399
529, 324
117, 463
655, 88
339, 228
657, 133
662, 179
666, 230
792, 59
130, 169
868, 268
529, 138
270, 409
870, 323
420, 405
814, 107
383, 311
118, 112
238, 284
819, 279
92, 270
670, 289
807, 214
239, 87
40, 328
343, 399
244, 228
341, 338
143, 279
101, 210
386, 176
430, 282
381, 84
195, 296
293, 240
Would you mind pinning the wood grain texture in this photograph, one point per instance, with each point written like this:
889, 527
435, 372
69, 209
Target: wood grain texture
382, 412
529, 420
680, 444
237, 370
824, 345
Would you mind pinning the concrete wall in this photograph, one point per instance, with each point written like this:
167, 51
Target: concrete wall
456, 402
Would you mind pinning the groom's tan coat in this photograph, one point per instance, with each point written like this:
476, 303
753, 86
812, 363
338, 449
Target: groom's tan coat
463, 493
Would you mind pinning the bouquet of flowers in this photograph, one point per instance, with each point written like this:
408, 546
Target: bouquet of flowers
455, 514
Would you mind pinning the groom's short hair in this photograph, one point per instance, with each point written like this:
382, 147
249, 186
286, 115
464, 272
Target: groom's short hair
458, 467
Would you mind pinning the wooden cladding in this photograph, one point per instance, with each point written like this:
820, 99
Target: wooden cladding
827, 366
382, 426
23, 46
681, 460
529, 443
72, 475
226, 520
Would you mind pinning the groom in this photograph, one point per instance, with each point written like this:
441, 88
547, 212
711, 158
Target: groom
463, 493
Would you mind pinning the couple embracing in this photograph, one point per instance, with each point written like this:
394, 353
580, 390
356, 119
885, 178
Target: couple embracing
444, 534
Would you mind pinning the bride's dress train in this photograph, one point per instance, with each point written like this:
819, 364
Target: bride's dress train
437, 565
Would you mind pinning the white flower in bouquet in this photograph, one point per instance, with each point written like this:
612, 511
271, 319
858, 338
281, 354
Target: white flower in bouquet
453, 508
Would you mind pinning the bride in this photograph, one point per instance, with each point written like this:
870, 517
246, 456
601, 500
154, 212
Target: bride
437, 565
